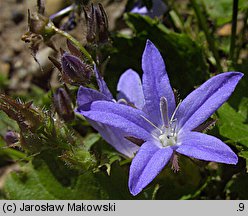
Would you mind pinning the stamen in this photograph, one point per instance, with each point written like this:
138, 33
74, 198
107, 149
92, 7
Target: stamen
175, 111
160, 131
173, 125
164, 111
155, 137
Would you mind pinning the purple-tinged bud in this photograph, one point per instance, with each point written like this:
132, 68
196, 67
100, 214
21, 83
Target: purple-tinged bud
74, 50
75, 71
97, 24
63, 105
55, 62
102, 23
91, 24
11, 138
41, 6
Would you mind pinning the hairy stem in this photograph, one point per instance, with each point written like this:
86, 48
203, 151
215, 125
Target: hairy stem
74, 41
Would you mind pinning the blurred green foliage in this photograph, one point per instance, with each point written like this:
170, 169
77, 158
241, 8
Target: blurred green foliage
221, 11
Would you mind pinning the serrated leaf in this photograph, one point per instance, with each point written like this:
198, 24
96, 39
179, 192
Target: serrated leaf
232, 124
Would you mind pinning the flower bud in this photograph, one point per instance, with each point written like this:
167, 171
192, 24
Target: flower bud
74, 70
97, 24
63, 105
102, 23
11, 137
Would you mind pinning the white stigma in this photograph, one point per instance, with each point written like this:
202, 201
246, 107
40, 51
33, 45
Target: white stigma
166, 134
167, 139
169, 135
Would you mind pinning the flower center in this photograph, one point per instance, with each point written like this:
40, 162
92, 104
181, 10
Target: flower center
167, 133
168, 139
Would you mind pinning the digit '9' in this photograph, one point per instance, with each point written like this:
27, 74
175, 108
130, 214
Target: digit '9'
241, 206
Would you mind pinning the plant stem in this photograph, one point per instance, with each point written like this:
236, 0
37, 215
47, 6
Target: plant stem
242, 36
234, 29
203, 24
73, 40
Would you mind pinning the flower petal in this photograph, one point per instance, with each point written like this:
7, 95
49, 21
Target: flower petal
146, 165
155, 83
122, 117
87, 95
115, 138
130, 88
206, 147
140, 10
205, 100
101, 84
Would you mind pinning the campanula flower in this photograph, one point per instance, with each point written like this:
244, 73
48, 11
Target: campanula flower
166, 128
112, 135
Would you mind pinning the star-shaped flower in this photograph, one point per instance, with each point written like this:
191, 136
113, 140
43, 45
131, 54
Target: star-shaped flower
165, 128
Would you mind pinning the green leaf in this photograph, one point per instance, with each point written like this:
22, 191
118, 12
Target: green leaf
181, 185
116, 184
37, 180
8, 153
221, 10
6, 124
244, 154
237, 188
233, 124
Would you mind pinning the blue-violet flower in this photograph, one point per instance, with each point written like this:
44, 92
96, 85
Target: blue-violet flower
114, 136
166, 128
